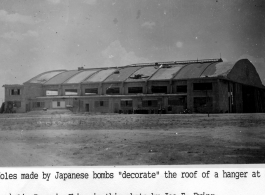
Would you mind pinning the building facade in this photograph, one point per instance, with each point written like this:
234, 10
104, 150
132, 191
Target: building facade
201, 86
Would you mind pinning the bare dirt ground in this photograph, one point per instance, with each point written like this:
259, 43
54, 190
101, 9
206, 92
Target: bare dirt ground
57, 139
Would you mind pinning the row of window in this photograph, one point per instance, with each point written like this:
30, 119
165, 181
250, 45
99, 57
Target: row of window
177, 101
135, 90
131, 90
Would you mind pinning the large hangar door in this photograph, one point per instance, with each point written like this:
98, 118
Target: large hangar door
248, 94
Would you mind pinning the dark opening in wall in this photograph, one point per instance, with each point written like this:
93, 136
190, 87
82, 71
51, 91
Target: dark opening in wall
15, 91
126, 103
135, 90
91, 91
181, 89
70, 92
159, 89
113, 90
178, 101
150, 103
52, 92
203, 104
38, 104
202, 86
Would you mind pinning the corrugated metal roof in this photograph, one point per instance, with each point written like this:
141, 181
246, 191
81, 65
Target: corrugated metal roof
166, 73
81, 76
100, 76
219, 69
60, 78
192, 71
124, 73
45, 76
144, 73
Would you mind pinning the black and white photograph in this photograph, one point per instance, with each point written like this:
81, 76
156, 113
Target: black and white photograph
132, 82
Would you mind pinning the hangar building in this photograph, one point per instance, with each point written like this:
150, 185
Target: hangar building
201, 86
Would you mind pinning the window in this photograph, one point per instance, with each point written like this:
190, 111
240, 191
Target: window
15, 91
178, 101
202, 86
126, 103
58, 104
52, 92
135, 90
38, 105
114, 90
182, 89
101, 103
150, 103
91, 91
159, 89
70, 92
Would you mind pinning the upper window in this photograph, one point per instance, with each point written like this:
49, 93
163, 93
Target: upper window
135, 90
114, 90
91, 91
181, 88
71, 92
159, 89
15, 91
202, 86
52, 92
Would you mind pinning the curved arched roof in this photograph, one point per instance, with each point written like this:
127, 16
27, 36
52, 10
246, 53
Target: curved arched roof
241, 71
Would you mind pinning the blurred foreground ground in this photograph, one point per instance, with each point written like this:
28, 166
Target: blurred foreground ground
59, 139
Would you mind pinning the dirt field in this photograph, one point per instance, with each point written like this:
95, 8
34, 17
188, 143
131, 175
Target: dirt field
56, 139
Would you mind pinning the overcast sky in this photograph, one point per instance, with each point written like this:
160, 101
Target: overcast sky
43, 35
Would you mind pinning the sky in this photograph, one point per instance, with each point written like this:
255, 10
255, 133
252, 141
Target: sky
43, 35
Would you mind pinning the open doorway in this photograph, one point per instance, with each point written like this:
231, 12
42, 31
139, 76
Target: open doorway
248, 94
87, 107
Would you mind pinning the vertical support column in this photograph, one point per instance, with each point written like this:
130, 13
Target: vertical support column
146, 87
100, 89
122, 88
170, 87
190, 95
80, 90
60, 90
